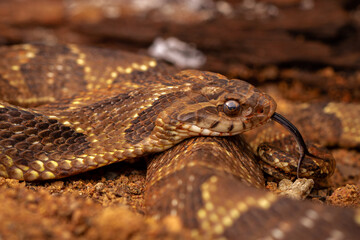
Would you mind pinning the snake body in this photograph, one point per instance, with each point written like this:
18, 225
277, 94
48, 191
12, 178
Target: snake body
85, 132
212, 186
82, 108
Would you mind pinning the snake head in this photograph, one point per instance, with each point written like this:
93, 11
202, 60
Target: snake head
217, 106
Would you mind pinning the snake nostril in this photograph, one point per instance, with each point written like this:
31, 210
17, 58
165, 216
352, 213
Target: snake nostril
260, 110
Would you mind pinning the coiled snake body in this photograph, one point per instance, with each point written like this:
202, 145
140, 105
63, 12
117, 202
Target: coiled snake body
115, 106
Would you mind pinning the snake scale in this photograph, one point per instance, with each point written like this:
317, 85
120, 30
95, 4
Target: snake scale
70, 109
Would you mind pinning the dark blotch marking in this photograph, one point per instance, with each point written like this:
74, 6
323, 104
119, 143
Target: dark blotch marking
213, 125
218, 82
331, 126
187, 117
142, 126
205, 112
243, 125
26, 156
19, 146
34, 72
199, 115
198, 99
211, 110
197, 87
214, 96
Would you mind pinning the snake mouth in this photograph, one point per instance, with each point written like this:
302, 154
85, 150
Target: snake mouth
234, 128
195, 130
303, 150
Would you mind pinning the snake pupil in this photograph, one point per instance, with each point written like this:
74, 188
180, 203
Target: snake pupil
231, 107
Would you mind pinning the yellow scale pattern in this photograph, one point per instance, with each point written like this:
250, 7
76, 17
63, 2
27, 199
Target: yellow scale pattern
221, 208
93, 82
215, 217
79, 161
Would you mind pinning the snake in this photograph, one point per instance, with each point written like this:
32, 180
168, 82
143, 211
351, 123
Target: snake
68, 109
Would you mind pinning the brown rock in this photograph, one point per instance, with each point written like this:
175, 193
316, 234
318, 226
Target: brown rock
347, 196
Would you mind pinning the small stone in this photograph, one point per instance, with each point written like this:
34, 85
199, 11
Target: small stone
272, 186
58, 185
99, 186
300, 189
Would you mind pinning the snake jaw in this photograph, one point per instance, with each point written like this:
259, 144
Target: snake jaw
194, 130
223, 107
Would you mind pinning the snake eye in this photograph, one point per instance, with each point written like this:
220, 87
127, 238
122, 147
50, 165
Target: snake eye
232, 107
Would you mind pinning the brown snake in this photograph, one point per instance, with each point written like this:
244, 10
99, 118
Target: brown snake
115, 106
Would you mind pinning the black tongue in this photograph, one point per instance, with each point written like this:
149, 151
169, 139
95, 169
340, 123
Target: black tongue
297, 135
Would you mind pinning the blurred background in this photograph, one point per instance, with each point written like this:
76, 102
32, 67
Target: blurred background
311, 47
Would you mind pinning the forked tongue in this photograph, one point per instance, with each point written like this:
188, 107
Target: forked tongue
297, 135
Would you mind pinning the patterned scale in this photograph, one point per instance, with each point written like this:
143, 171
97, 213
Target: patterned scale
81, 108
